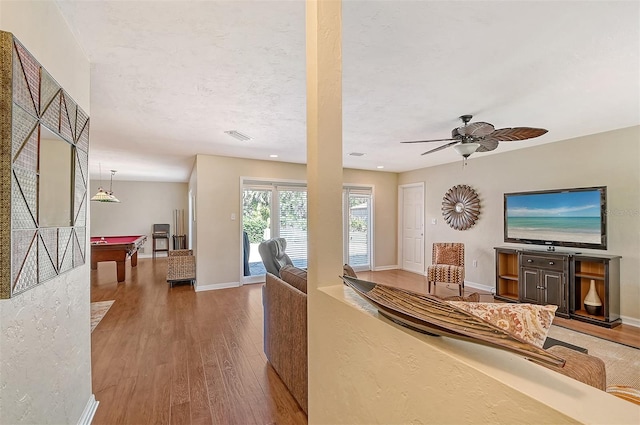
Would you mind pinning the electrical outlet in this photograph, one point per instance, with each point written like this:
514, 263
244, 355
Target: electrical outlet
434, 221
475, 263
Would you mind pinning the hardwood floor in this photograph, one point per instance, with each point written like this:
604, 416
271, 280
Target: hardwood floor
623, 334
170, 355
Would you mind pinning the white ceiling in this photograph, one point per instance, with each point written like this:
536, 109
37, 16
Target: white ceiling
169, 77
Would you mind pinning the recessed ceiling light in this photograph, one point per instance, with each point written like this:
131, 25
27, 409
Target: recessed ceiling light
356, 154
273, 156
380, 166
237, 135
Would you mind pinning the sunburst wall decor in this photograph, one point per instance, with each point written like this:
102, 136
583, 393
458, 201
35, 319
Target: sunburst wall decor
461, 207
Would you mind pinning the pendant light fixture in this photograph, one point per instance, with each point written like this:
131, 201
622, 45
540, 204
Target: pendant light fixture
103, 196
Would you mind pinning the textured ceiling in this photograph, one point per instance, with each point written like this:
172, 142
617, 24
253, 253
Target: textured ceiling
169, 77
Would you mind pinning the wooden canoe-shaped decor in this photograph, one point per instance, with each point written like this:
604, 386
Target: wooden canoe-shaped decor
429, 314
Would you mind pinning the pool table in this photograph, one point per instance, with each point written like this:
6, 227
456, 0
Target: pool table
116, 248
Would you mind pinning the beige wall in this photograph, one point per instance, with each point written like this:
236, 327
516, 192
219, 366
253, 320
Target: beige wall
45, 339
218, 196
385, 198
609, 159
142, 204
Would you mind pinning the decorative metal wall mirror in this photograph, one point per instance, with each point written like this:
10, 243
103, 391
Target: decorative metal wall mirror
44, 148
461, 207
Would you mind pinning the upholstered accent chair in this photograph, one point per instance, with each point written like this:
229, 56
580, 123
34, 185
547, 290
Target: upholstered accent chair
272, 252
447, 265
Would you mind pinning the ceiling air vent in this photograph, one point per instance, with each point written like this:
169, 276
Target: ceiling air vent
237, 135
356, 154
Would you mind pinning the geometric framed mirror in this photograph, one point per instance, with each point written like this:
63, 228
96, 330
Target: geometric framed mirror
43, 173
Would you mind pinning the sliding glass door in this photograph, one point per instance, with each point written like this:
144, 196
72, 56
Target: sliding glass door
357, 227
279, 209
272, 210
256, 226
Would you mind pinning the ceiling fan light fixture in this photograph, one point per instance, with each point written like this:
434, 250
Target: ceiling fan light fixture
466, 149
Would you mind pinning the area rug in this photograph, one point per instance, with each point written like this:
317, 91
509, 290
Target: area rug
622, 362
98, 310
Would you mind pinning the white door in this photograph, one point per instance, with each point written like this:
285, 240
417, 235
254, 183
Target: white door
412, 228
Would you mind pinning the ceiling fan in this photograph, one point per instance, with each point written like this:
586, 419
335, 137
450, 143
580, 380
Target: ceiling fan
481, 137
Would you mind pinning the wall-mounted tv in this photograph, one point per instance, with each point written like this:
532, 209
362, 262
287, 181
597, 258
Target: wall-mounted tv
562, 217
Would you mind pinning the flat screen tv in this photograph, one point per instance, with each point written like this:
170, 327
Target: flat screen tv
562, 217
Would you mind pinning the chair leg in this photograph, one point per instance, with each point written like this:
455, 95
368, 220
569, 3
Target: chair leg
461, 290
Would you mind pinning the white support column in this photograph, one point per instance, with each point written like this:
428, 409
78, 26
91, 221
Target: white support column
324, 141
324, 171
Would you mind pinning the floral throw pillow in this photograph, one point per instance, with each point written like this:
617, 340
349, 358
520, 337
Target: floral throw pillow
529, 322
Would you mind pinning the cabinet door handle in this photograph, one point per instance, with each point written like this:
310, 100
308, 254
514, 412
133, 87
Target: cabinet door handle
551, 263
529, 261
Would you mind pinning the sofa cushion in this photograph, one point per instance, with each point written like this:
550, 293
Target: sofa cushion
579, 366
529, 322
625, 392
295, 277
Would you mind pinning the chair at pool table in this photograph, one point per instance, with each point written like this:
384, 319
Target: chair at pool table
160, 232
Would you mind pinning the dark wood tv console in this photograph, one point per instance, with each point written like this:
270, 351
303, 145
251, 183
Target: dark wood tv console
562, 279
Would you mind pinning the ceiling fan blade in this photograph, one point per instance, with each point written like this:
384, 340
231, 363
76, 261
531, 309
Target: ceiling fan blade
428, 141
487, 144
517, 133
476, 129
439, 148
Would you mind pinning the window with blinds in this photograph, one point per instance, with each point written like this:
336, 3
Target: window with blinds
357, 227
293, 223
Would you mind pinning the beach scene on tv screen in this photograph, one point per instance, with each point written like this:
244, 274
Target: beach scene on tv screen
562, 217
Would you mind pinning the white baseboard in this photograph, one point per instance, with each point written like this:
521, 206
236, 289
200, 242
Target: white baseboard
89, 411
158, 255
630, 321
381, 268
487, 288
423, 273
214, 286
